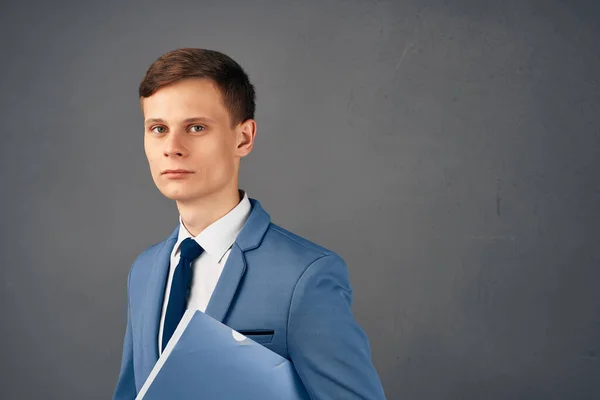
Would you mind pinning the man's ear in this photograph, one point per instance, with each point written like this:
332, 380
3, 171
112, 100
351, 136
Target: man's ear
246, 133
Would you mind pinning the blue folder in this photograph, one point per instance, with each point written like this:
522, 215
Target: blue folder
207, 360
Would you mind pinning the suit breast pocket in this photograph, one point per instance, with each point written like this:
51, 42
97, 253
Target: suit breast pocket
262, 336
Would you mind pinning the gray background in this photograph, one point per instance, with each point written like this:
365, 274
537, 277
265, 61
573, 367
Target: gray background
447, 150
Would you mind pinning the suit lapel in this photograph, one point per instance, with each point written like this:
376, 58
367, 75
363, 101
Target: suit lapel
249, 238
233, 271
154, 299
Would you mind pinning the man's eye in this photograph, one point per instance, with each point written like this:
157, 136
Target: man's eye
162, 129
200, 128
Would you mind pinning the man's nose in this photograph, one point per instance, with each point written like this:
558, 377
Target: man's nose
174, 145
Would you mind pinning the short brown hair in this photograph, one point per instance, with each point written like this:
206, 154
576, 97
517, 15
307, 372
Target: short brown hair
233, 83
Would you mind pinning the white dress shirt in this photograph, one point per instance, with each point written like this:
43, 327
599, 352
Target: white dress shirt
216, 240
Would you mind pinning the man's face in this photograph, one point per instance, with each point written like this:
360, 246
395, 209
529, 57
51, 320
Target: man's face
187, 127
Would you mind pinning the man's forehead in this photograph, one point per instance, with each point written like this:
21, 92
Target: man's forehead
182, 111
155, 120
182, 101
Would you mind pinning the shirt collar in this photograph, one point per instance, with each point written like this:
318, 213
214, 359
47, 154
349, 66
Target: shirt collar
219, 236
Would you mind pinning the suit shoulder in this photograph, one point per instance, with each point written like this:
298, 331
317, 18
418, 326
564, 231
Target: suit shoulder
310, 261
148, 252
296, 242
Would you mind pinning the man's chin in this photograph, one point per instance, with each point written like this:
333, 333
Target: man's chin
179, 196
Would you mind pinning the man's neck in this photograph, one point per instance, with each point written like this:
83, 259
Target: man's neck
203, 212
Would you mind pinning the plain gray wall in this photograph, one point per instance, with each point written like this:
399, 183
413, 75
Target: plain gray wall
447, 150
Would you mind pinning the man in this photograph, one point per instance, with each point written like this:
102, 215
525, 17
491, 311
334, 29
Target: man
225, 257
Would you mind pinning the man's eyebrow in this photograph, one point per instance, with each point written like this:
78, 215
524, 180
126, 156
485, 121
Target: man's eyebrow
187, 120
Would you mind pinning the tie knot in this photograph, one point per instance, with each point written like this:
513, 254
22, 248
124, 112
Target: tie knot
190, 249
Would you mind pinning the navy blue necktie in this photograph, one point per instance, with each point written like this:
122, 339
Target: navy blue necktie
180, 286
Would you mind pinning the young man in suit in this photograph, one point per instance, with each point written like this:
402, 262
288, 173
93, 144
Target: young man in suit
225, 257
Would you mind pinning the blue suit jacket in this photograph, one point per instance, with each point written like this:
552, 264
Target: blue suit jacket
273, 280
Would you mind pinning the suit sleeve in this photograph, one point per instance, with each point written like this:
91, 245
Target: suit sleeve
329, 350
125, 389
